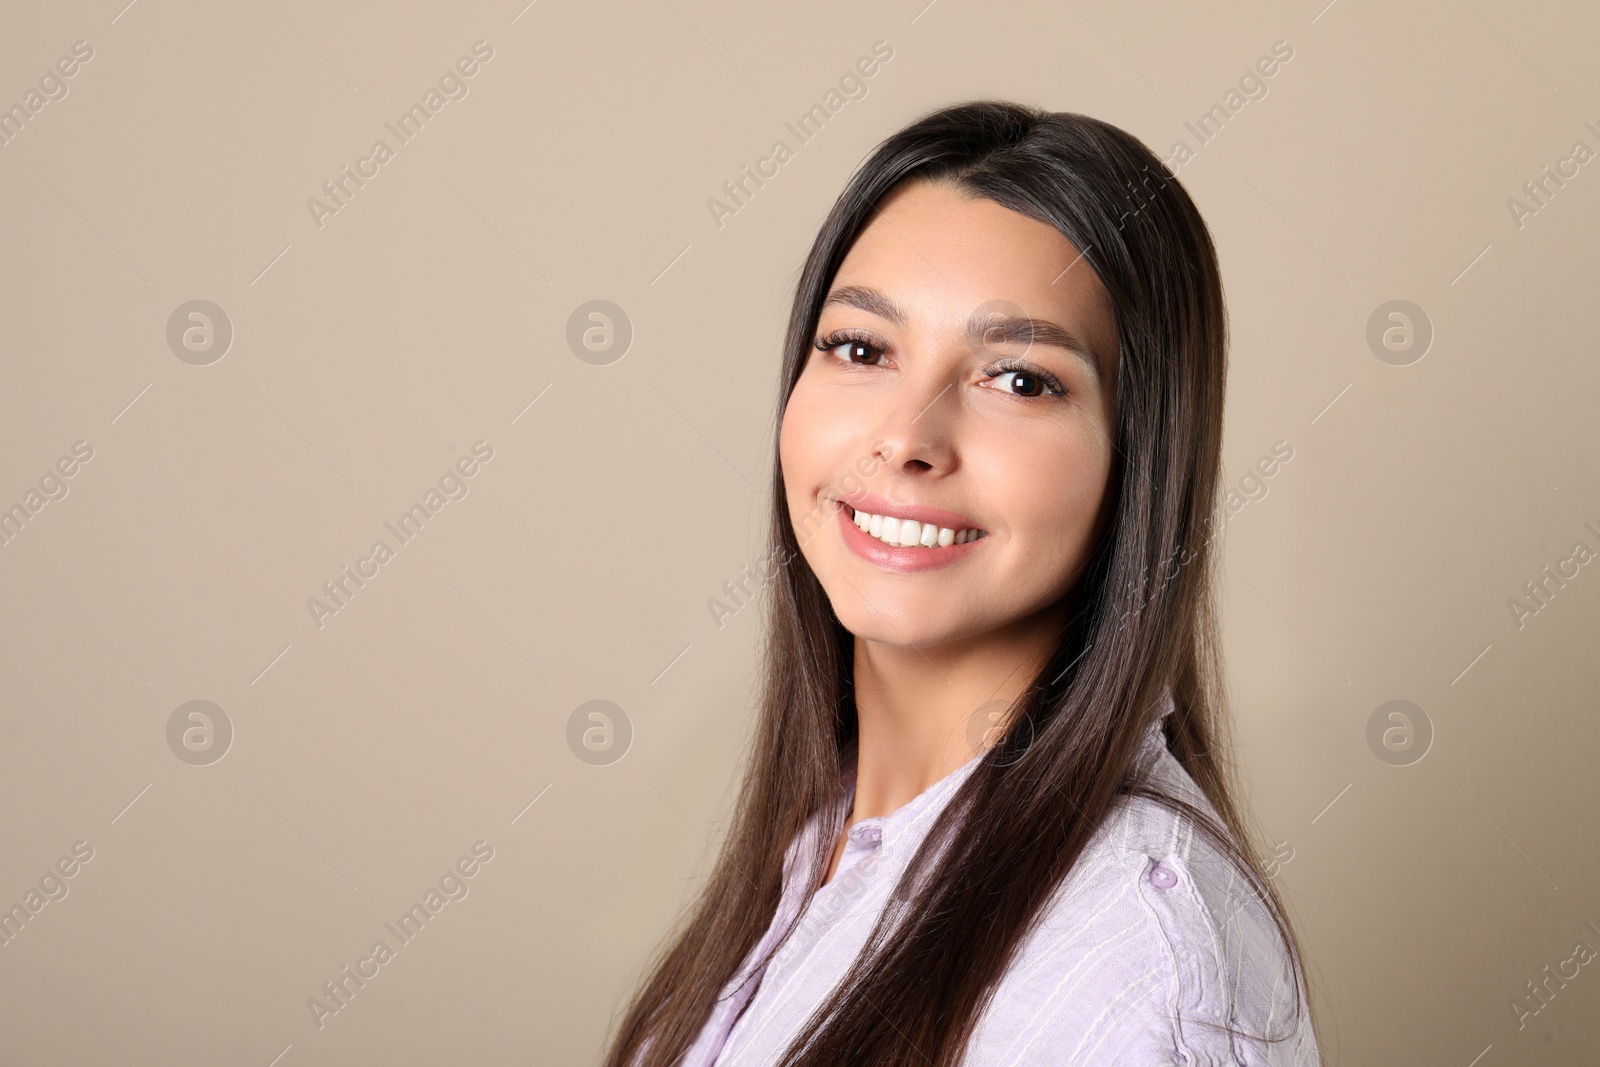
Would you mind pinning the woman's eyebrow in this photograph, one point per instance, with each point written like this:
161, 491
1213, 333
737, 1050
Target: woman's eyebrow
866, 299
1013, 329
982, 328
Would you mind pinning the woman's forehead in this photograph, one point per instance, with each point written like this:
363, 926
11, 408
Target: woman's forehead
937, 254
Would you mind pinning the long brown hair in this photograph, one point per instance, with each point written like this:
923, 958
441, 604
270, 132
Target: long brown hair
1143, 621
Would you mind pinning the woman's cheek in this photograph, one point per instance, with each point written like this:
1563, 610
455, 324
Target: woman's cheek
1057, 503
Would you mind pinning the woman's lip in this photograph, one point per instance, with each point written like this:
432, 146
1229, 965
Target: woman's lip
873, 504
907, 559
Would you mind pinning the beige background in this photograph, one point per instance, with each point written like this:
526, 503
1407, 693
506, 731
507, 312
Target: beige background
369, 354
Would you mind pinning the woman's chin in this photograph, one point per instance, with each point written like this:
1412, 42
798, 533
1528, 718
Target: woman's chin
906, 626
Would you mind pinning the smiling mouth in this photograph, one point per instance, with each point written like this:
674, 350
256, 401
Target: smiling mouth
909, 533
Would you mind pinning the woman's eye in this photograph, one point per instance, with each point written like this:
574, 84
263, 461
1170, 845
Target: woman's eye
851, 350
1026, 383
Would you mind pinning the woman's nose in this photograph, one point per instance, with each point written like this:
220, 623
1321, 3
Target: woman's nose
920, 422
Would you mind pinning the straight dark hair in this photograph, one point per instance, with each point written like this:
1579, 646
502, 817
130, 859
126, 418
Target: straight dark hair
1143, 620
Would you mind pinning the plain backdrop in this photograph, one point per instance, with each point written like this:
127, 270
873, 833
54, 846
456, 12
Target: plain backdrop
1434, 872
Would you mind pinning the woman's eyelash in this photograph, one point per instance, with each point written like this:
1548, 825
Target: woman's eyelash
1017, 366
844, 337
1008, 365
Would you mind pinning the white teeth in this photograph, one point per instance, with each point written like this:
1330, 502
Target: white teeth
905, 533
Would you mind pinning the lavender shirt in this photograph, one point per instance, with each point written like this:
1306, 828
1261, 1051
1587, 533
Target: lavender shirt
1152, 935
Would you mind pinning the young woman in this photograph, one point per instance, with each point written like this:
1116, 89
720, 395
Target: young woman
986, 819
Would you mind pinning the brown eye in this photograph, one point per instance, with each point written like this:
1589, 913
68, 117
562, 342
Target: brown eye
1026, 383
857, 351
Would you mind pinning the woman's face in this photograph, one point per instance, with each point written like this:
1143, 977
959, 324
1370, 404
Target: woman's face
929, 403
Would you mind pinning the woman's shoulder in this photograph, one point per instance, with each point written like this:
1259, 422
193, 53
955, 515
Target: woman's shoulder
1154, 946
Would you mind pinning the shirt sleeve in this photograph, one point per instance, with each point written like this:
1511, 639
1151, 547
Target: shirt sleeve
1156, 952
1228, 993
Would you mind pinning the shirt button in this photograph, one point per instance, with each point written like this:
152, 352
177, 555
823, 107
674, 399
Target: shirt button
1162, 877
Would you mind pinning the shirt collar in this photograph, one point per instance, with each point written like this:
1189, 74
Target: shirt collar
915, 814
919, 812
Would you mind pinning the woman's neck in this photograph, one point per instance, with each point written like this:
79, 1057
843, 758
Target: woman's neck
923, 713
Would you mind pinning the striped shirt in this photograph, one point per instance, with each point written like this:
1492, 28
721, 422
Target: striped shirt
1152, 936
